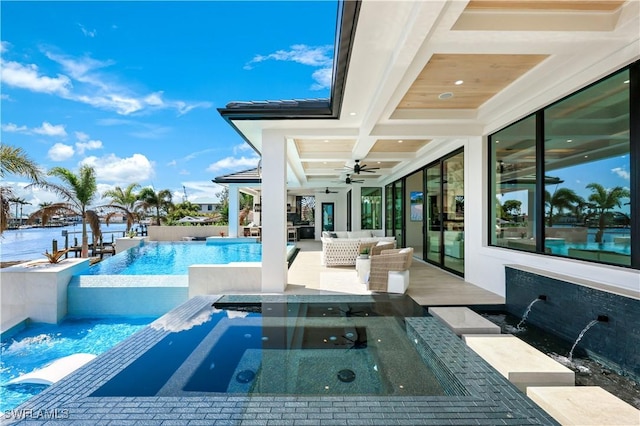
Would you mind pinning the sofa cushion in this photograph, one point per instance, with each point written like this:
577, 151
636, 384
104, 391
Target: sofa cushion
359, 234
341, 234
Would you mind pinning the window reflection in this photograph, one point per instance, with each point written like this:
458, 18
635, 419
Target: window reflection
586, 183
587, 146
514, 191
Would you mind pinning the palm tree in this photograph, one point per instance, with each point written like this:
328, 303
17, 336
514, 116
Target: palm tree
123, 200
161, 200
604, 200
14, 161
562, 198
78, 191
18, 202
246, 204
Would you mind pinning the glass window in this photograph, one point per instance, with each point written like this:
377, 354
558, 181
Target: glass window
388, 195
513, 156
453, 212
398, 207
371, 208
586, 183
586, 148
414, 217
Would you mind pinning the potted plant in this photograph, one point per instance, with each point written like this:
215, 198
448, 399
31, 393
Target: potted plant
56, 256
364, 253
222, 233
131, 233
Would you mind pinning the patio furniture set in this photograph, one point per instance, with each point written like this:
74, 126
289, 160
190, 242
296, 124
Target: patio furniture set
384, 269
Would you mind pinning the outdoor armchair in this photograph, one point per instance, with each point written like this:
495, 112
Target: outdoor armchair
390, 270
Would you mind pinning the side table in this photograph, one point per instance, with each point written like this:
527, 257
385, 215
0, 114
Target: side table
363, 267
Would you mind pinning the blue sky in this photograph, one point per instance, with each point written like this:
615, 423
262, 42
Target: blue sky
132, 88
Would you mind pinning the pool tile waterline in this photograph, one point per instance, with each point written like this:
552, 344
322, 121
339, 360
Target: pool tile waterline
487, 397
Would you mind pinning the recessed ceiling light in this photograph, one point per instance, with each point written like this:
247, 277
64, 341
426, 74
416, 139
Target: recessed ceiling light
458, 82
586, 156
445, 95
352, 113
326, 140
497, 141
626, 82
400, 141
324, 162
569, 140
379, 162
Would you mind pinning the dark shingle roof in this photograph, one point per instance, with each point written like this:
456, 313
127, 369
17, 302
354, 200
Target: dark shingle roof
279, 104
245, 176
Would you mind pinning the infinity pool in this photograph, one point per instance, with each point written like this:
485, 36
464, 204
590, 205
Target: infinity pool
39, 344
174, 258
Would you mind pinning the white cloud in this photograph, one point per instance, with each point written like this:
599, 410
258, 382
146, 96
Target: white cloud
193, 155
621, 172
49, 129
233, 163
102, 91
202, 190
154, 99
14, 128
88, 145
315, 56
86, 32
60, 152
46, 129
27, 77
4, 46
88, 82
81, 136
184, 172
31, 194
323, 78
5, 97
172, 163
111, 168
243, 147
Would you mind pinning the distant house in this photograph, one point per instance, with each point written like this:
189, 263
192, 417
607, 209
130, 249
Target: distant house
206, 206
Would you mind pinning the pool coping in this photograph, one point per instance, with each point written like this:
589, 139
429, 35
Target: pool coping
484, 396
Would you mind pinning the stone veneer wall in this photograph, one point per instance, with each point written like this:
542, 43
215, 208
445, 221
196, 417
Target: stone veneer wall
570, 306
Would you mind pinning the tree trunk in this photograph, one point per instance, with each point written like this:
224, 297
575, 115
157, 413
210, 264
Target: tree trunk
84, 252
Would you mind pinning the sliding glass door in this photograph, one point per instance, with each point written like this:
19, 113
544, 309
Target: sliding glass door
444, 213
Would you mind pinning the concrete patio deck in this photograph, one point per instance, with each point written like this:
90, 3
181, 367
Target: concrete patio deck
430, 286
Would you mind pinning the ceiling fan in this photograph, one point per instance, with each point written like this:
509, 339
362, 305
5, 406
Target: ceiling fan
362, 168
349, 181
326, 191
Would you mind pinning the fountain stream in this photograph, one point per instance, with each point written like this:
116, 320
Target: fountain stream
584, 330
526, 312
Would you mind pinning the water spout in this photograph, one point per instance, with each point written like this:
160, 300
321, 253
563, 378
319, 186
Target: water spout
601, 318
526, 312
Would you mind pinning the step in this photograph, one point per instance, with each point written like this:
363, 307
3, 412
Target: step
463, 320
522, 364
584, 405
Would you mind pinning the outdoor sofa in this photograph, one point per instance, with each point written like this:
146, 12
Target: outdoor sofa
343, 247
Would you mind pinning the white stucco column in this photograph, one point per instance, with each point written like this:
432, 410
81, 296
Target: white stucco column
274, 211
356, 207
234, 210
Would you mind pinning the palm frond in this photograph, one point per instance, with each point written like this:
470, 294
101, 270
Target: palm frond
16, 161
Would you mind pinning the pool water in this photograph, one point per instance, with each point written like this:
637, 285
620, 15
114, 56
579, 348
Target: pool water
40, 344
174, 258
283, 349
